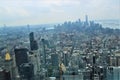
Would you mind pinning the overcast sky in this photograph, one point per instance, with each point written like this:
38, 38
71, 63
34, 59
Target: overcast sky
22, 12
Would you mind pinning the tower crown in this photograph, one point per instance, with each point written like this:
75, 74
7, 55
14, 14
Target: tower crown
7, 56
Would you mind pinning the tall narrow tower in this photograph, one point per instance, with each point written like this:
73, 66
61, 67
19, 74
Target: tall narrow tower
35, 58
33, 42
86, 20
8, 66
28, 27
44, 52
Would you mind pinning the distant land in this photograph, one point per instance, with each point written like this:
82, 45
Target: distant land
109, 23
114, 24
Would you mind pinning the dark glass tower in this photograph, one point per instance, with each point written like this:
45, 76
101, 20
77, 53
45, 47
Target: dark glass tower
33, 42
21, 56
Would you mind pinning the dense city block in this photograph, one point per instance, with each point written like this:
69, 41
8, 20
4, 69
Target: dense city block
79, 50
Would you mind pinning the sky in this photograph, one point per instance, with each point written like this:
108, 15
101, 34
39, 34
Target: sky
23, 12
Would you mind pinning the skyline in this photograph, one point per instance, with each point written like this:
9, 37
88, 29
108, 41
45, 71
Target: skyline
23, 12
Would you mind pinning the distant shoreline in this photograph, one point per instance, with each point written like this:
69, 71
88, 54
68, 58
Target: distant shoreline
115, 24
109, 23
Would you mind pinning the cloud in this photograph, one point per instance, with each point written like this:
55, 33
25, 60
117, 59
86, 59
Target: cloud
42, 11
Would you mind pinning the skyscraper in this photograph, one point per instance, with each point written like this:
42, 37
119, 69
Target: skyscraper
31, 36
8, 67
44, 51
86, 20
33, 42
27, 71
21, 56
54, 59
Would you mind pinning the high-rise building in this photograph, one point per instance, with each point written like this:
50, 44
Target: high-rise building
35, 57
112, 61
113, 73
87, 75
31, 36
117, 55
54, 59
2, 74
94, 61
8, 66
66, 57
27, 71
44, 52
86, 20
5, 75
33, 42
21, 56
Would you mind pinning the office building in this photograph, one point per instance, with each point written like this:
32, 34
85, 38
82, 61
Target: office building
33, 42
54, 59
113, 73
27, 71
21, 56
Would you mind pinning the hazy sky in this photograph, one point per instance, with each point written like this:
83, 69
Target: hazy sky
22, 12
